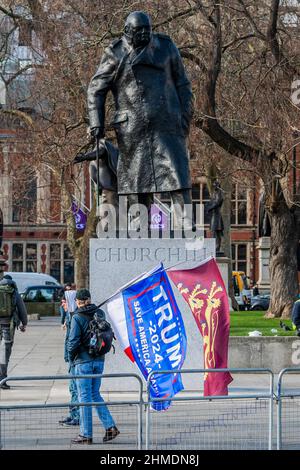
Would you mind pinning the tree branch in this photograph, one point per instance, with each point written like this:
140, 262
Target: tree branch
258, 33
241, 38
187, 12
10, 13
272, 31
209, 123
19, 114
193, 58
208, 16
12, 77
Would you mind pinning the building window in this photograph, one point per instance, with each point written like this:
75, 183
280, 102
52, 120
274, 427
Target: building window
239, 257
200, 195
24, 200
31, 258
68, 265
26, 66
61, 263
239, 206
17, 257
55, 261
15, 213
24, 257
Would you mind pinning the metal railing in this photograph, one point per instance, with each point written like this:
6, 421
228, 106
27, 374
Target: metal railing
240, 421
288, 412
36, 425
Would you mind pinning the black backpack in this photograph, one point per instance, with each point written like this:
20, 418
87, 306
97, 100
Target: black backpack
7, 300
101, 337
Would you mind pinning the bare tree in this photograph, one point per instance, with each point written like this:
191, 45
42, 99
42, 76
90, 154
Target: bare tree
246, 74
242, 59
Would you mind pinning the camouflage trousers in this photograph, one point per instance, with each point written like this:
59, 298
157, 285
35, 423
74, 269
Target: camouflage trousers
7, 332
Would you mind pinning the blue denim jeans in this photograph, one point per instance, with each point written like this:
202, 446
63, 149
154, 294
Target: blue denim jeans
89, 391
74, 410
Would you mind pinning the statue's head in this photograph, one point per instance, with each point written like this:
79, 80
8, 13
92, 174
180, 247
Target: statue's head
138, 29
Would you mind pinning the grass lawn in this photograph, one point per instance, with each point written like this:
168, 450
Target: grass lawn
243, 322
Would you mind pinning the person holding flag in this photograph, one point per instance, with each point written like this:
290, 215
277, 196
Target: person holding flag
87, 364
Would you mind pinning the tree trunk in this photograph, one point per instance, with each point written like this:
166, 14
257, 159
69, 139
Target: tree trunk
283, 261
226, 242
79, 244
83, 250
81, 269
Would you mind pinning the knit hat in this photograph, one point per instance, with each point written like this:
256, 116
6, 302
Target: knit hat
83, 294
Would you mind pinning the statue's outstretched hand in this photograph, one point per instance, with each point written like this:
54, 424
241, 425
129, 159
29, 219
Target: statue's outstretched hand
97, 132
81, 157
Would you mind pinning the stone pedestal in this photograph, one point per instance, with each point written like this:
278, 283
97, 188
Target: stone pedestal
115, 262
224, 264
264, 257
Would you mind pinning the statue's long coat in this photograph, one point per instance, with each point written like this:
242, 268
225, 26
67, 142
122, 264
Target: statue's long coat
153, 102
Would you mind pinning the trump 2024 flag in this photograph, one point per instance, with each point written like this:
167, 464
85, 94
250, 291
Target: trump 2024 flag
149, 326
204, 291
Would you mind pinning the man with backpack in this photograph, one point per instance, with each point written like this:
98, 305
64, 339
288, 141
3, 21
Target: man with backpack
12, 314
90, 338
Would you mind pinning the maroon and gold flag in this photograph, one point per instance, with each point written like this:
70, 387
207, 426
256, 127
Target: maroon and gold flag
204, 290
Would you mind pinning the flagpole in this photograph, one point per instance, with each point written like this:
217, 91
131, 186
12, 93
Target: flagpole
124, 286
141, 275
81, 203
185, 261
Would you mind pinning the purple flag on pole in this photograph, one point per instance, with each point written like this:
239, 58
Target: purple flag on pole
159, 220
80, 216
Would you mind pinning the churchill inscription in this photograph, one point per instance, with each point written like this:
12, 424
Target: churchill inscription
153, 254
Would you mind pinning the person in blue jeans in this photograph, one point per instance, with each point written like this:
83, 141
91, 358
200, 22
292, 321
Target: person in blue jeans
73, 418
85, 364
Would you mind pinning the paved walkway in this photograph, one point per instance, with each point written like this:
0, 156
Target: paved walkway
40, 351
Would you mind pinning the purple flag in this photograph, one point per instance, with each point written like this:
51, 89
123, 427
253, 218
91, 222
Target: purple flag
159, 219
80, 217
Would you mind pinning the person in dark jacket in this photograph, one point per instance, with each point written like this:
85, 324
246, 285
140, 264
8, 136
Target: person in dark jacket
255, 290
85, 364
8, 326
153, 110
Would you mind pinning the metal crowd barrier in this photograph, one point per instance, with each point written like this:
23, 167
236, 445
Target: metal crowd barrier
236, 421
35, 426
239, 421
288, 412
